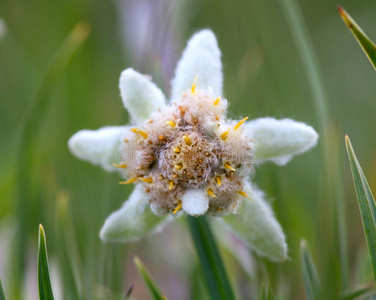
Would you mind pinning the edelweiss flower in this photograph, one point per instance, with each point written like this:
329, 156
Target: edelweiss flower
185, 156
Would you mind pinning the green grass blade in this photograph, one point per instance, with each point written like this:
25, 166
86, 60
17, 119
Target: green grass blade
70, 242
363, 40
153, 288
2, 294
214, 271
129, 292
311, 64
366, 204
355, 293
44, 282
266, 292
310, 277
29, 132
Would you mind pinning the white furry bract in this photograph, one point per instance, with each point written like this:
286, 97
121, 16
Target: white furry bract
279, 140
99, 147
140, 95
133, 220
202, 57
256, 225
195, 202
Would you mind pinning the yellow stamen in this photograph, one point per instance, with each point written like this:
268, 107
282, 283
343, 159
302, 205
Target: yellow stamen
125, 140
171, 185
240, 123
179, 166
128, 181
146, 179
121, 166
244, 195
210, 193
223, 135
178, 207
228, 167
176, 150
217, 101
187, 140
162, 138
218, 180
143, 133
172, 124
194, 84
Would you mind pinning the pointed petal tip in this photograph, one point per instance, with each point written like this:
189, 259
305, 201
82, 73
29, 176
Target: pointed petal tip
202, 58
205, 38
99, 147
139, 94
279, 140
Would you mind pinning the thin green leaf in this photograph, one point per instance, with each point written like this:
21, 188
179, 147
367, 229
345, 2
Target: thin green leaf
363, 40
355, 293
70, 242
310, 277
31, 126
266, 292
129, 292
214, 271
44, 282
2, 294
366, 204
153, 288
304, 44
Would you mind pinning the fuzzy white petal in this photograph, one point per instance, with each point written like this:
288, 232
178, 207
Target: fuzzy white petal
140, 95
256, 225
99, 147
279, 140
133, 220
201, 57
195, 202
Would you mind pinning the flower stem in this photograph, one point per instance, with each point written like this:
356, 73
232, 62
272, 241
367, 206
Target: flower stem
214, 271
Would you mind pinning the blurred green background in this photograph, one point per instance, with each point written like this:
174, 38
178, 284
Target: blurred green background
41, 182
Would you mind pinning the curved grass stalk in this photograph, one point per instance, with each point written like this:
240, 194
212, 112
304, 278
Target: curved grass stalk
331, 151
214, 271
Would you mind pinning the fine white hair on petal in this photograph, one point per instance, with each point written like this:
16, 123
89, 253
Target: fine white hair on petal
256, 225
133, 220
279, 140
140, 95
201, 57
99, 147
195, 202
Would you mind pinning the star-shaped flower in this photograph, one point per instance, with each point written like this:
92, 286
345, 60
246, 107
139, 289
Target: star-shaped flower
185, 156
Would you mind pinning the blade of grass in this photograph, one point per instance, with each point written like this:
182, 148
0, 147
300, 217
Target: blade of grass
29, 132
129, 292
70, 242
44, 282
266, 292
214, 271
304, 44
363, 40
2, 294
153, 288
354, 293
310, 277
366, 202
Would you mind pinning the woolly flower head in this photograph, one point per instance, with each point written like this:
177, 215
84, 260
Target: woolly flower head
185, 156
